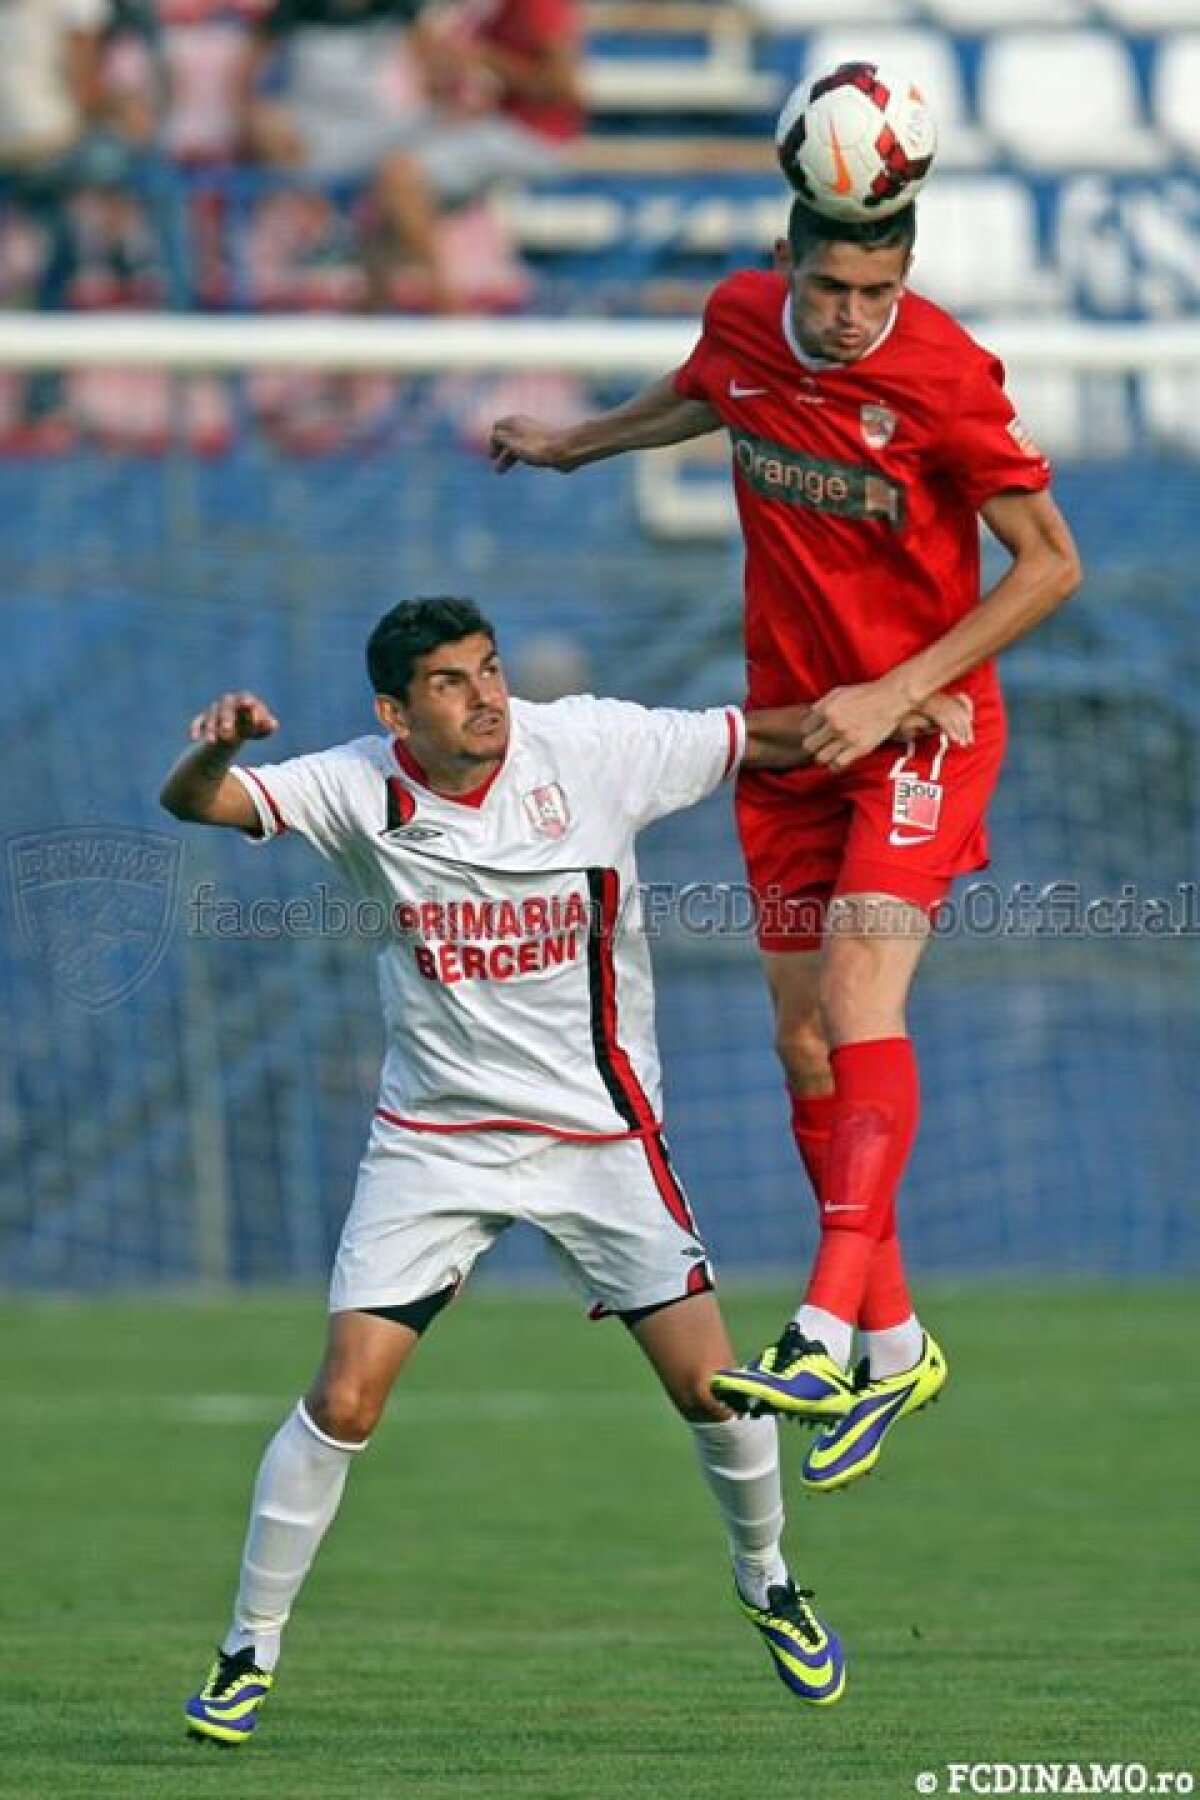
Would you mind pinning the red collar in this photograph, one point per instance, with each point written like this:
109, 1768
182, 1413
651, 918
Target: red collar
473, 797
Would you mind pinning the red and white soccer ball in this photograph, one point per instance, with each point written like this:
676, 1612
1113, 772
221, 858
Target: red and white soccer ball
856, 141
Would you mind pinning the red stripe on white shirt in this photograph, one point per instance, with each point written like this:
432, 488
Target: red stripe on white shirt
268, 796
554, 1131
736, 726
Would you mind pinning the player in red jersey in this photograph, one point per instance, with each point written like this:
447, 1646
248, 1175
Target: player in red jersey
869, 434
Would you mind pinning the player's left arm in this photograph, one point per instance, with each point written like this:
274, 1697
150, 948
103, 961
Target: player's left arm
1045, 570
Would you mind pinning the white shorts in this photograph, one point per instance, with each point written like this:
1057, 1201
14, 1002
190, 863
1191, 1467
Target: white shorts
425, 1208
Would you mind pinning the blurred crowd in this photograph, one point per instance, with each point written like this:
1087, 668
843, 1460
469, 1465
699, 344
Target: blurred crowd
351, 145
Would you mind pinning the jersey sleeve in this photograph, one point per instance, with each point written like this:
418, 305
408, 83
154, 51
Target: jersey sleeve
692, 379
656, 760
323, 798
986, 450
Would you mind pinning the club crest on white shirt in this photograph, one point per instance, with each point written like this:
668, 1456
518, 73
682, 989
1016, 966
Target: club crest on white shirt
878, 426
546, 809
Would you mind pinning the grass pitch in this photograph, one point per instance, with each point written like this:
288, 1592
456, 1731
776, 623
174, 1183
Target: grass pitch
526, 1592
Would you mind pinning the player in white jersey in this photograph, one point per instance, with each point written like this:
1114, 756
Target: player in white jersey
521, 1076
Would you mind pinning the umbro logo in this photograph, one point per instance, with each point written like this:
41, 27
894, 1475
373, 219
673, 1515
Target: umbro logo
413, 834
401, 806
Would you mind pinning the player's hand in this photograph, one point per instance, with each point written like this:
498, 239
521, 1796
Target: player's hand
848, 722
952, 713
233, 719
520, 439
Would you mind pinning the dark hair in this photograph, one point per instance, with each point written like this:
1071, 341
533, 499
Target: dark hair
807, 229
413, 629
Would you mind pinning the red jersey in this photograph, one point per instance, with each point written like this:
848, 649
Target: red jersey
858, 484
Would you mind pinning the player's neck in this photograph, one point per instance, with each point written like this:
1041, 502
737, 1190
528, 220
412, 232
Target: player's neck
457, 780
812, 359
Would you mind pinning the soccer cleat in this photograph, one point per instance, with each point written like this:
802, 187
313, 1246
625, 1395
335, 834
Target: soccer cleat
850, 1447
795, 1376
226, 1709
807, 1655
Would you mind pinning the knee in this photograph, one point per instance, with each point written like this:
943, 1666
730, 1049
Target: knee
344, 1407
803, 1049
851, 989
694, 1400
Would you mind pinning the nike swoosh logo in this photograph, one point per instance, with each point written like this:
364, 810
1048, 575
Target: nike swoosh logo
843, 180
900, 838
833, 1209
849, 1431
738, 392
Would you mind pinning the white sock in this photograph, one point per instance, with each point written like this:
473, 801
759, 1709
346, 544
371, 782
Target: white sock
298, 1491
740, 1460
836, 1334
893, 1351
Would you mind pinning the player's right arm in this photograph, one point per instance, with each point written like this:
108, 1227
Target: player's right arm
777, 737
200, 788
658, 415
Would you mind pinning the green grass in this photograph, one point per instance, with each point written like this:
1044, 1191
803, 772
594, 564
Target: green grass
526, 1592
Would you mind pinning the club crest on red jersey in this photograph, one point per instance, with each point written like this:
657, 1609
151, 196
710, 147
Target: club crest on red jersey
546, 810
878, 424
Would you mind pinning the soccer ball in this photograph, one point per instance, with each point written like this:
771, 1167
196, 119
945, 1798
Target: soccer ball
856, 141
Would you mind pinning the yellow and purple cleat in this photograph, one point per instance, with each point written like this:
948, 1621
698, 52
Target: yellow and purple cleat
226, 1709
795, 1377
807, 1655
850, 1447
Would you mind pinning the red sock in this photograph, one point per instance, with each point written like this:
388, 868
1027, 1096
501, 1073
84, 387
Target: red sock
886, 1300
874, 1122
812, 1121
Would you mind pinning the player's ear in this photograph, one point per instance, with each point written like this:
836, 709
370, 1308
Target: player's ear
392, 715
782, 259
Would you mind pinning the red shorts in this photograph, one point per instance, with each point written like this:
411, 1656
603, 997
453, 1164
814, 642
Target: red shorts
895, 822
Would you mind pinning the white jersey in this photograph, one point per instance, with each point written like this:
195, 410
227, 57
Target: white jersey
516, 982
